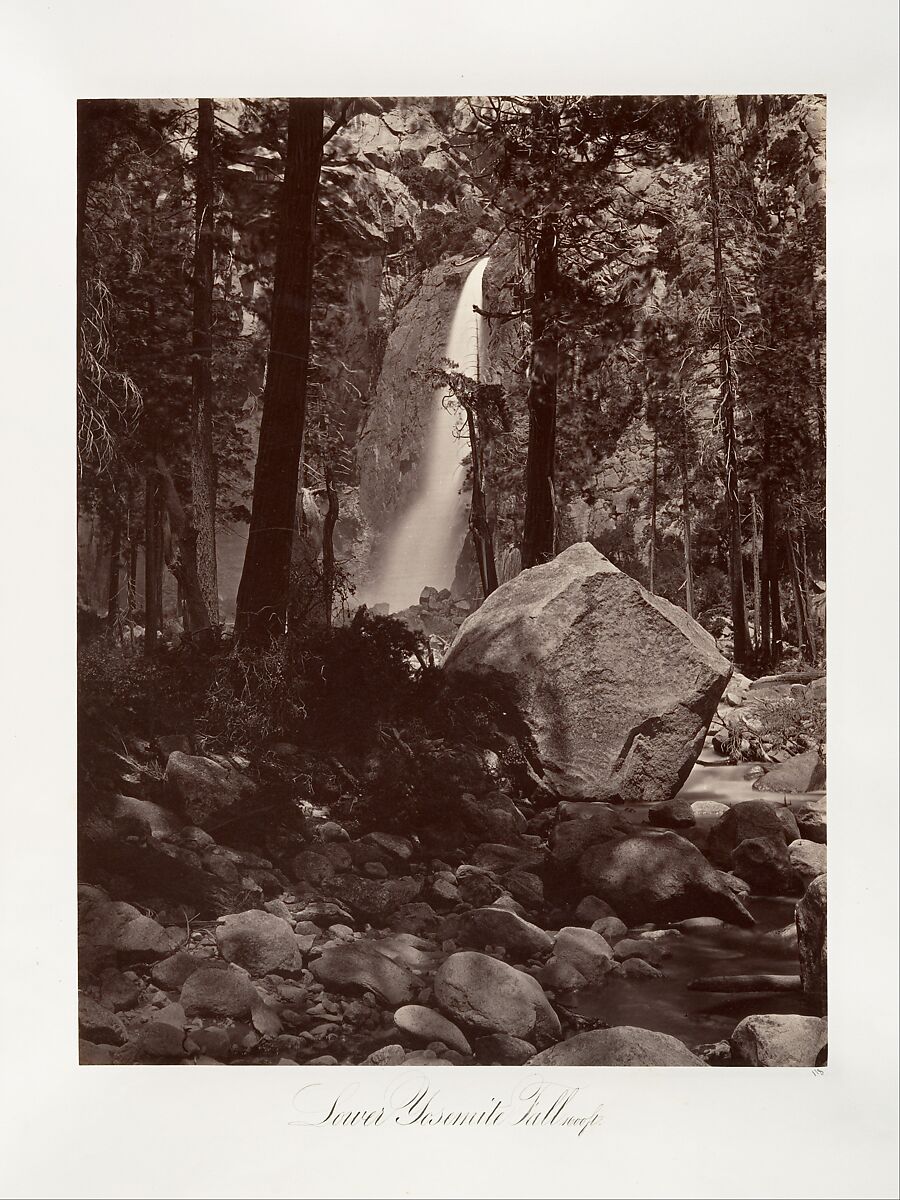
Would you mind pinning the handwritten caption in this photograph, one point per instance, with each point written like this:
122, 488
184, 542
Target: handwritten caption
415, 1102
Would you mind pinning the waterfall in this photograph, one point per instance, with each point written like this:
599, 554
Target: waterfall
423, 547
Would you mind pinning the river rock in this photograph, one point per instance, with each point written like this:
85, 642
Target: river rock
808, 859
591, 908
813, 824
310, 869
162, 822
477, 887
360, 966
494, 817
98, 1024
650, 951
812, 941
173, 972
586, 950
616, 686
393, 843
498, 927
765, 865
112, 930
802, 773
373, 899
561, 975
659, 877
751, 819
570, 839
162, 1039
525, 887
778, 1040
117, 991
621, 1046
610, 927
489, 995
259, 942
205, 789
499, 857
429, 1026
708, 809
499, 1049
639, 968
672, 814
218, 992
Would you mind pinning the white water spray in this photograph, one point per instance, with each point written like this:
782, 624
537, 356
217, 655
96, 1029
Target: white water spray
424, 546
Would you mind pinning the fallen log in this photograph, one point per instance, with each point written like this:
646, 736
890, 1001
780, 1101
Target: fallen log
746, 983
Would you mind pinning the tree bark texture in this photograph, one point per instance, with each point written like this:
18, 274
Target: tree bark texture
115, 567
184, 563
728, 392
538, 538
203, 464
263, 593
654, 486
153, 562
328, 567
478, 520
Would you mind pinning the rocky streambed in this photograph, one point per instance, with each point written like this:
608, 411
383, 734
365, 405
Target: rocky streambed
580, 933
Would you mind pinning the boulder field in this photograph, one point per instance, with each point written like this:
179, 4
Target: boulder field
311, 942
472, 960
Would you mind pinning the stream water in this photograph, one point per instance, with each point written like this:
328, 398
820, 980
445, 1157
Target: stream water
667, 1005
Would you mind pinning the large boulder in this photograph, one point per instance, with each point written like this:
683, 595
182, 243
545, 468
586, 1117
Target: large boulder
360, 966
429, 1026
259, 942
570, 839
586, 950
615, 686
218, 991
205, 789
373, 899
111, 931
802, 773
621, 1046
778, 1040
812, 941
750, 819
498, 927
658, 877
808, 859
765, 865
486, 994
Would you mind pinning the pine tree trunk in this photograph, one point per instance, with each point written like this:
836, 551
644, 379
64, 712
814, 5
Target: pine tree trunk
653, 494
184, 564
153, 563
478, 521
538, 537
807, 597
756, 582
804, 624
328, 568
686, 529
728, 389
770, 614
795, 589
203, 466
115, 566
263, 593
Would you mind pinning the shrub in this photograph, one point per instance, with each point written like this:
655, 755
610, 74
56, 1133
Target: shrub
331, 687
122, 689
792, 722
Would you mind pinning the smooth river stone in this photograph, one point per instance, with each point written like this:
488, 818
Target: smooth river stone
429, 1026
